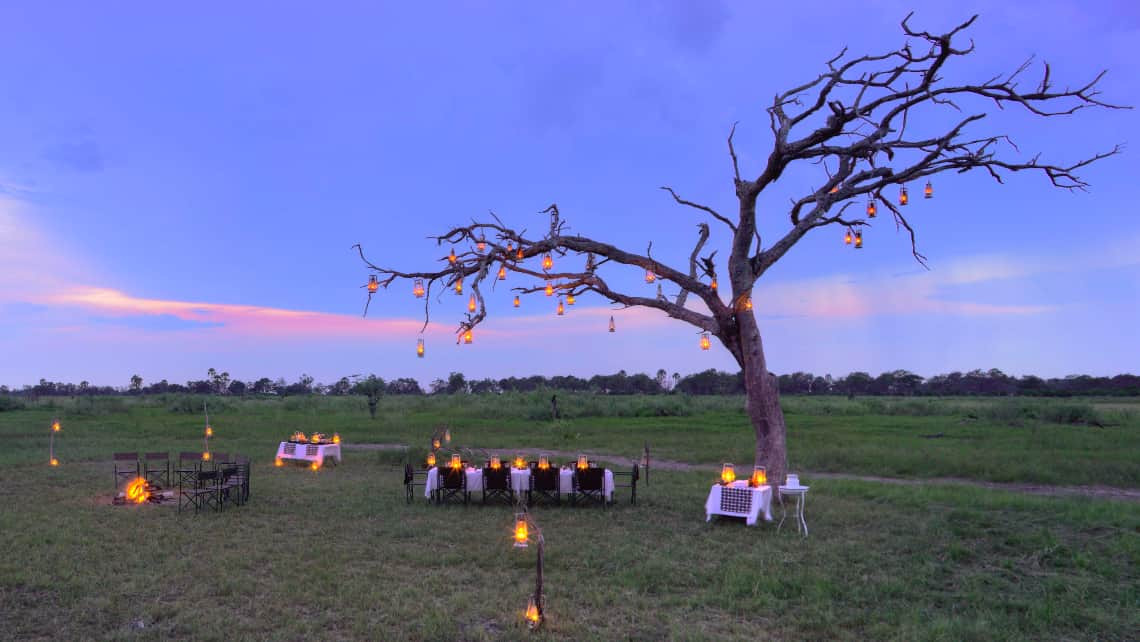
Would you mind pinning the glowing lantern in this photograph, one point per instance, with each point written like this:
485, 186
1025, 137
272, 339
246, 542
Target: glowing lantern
336, 438
871, 208
471, 303
759, 477
650, 277
209, 431
54, 461
727, 474
467, 337
431, 460
459, 285
451, 257
713, 284
278, 463
482, 244
533, 617
745, 302
569, 299
520, 463
373, 284
549, 289
418, 288
420, 348
928, 191
543, 462
834, 189
502, 273
547, 261
516, 300
858, 240
903, 197
299, 436
612, 327
510, 248
456, 462
583, 463
847, 237
435, 443
522, 533
447, 435
205, 456
705, 343
519, 255
316, 438
496, 463
137, 491
315, 466
561, 309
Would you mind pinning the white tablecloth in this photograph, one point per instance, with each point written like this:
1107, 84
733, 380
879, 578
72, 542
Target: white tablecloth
742, 501
308, 452
520, 479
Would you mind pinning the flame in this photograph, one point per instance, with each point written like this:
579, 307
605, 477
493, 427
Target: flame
299, 436
278, 463
431, 459
55, 426
315, 466
521, 533
54, 461
316, 438
520, 462
532, 614
209, 431
496, 463
136, 490
759, 477
336, 438
456, 462
543, 463
727, 474
206, 456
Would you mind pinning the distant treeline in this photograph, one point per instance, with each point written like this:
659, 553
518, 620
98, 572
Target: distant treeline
710, 382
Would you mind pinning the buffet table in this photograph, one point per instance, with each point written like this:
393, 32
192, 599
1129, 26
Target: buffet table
308, 451
738, 499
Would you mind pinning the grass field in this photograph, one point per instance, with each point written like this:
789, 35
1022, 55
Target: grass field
338, 554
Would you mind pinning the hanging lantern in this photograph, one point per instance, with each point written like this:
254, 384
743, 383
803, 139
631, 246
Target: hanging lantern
467, 337
418, 288
570, 299
435, 443
519, 462
510, 248
420, 348
928, 191
431, 460
561, 309
451, 257
583, 463
533, 617
650, 277
456, 462
834, 189
522, 534
759, 477
519, 254
903, 197
727, 474
705, 342
373, 284
847, 237
858, 240
482, 244
471, 303
713, 284
496, 463
549, 289
748, 303
516, 300
547, 261
612, 328
459, 285
543, 462
871, 208
502, 273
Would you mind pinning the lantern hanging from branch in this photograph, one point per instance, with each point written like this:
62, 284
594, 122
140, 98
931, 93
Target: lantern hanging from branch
759, 477
471, 303
660, 293
650, 276
522, 532
418, 288
482, 244
549, 289
547, 261
373, 284
517, 301
847, 237
510, 248
871, 208
713, 284
561, 310
727, 474
467, 338
451, 257
519, 255
420, 348
459, 285
502, 273
928, 191
570, 299
858, 240
705, 342
904, 198
612, 327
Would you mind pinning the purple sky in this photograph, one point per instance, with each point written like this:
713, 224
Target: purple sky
180, 187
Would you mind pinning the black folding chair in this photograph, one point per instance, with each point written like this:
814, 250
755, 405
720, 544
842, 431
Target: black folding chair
544, 485
156, 466
230, 487
589, 486
413, 478
497, 484
630, 481
126, 467
452, 484
189, 465
201, 491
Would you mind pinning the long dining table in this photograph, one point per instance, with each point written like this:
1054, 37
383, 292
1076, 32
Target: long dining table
520, 481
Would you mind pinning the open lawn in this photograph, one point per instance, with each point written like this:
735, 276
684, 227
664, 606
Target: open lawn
338, 554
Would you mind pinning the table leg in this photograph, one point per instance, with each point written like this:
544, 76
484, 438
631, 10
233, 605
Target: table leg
800, 507
783, 513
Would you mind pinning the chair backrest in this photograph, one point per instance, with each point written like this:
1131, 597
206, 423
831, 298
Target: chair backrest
207, 476
157, 456
222, 458
496, 478
545, 480
636, 472
590, 479
126, 456
241, 459
228, 472
407, 474
189, 456
452, 478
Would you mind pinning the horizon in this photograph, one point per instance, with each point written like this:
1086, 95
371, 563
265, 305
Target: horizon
195, 207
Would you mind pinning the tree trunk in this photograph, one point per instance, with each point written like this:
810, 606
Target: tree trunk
763, 403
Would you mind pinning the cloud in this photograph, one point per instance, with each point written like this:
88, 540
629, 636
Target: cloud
82, 156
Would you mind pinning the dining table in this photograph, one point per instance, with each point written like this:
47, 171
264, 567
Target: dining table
520, 481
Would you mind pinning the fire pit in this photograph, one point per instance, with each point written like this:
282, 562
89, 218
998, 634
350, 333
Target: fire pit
141, 491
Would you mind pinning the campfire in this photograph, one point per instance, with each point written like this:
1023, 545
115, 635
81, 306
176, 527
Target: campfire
141, 491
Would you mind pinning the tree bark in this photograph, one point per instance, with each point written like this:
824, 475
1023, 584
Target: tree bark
763, 403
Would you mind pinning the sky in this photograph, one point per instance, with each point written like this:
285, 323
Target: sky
180, 187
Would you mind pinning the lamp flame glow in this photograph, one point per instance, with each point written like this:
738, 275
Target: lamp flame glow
727, 473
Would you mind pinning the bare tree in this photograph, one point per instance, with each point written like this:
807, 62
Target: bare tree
851, 123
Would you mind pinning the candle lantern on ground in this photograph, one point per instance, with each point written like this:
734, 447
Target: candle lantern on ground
278, 462
727, 474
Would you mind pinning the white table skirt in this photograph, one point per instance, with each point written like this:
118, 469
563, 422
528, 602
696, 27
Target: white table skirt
308, 452
747, 504
520, 479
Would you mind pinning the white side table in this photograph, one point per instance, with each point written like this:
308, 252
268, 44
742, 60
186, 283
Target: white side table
800, 493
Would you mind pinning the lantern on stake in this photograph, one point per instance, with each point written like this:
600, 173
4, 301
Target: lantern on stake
418, 288
858, 240
705, 342
549, 289
928, 191
871, 208
451, 257
373, 284
51, 443
502, 273
547, 261
904, 198
420, 348
471, 303
612, 327
516, 300
522, 532
561, 310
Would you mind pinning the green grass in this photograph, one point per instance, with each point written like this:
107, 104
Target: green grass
337, 554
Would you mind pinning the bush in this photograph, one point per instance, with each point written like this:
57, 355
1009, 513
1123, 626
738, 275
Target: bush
11, 403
